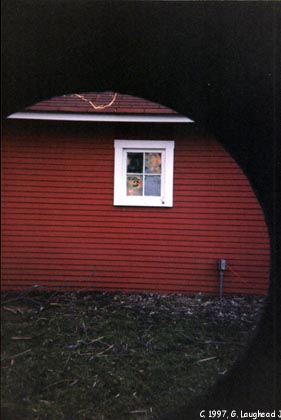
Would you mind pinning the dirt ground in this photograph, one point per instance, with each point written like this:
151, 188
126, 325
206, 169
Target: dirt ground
116, 356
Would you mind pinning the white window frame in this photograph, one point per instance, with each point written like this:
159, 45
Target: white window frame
167, 177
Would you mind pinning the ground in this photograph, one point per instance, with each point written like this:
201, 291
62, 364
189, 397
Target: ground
116, 356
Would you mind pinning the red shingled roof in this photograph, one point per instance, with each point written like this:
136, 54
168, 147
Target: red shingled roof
101, 103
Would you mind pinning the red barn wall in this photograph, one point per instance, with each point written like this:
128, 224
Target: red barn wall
61, 230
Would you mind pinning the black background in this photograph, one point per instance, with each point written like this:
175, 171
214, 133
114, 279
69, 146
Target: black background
215, 62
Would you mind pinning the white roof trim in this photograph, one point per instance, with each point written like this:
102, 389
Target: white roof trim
61, 116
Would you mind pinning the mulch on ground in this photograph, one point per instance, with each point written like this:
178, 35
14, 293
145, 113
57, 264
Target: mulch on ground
116, 356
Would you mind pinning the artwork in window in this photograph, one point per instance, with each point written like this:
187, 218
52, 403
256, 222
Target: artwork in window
152, 163
135, 185
144, 174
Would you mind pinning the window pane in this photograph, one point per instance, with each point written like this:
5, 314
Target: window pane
134, 185
135, 163
153, 163
152, 185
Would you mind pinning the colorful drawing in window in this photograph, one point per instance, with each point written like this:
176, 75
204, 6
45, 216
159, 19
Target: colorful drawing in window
153, 163
134, 185
144, 174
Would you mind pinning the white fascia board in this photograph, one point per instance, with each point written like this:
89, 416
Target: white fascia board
53, 116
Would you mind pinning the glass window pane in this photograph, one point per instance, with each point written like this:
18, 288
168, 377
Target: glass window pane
135, 163
153, 163
152, 185
134, 184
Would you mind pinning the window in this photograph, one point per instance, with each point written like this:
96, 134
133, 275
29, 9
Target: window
143, 174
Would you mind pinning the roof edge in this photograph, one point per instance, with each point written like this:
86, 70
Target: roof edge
63, 116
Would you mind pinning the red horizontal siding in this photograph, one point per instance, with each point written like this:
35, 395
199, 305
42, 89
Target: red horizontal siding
84, 233
61, 230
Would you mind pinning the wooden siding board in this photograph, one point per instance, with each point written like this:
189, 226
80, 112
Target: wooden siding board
117, 253
90, 276
225, 219
87, 203
188, 260
87, 233
104, 233
22, 187
166, 266
161, 231
201, 248
61, 230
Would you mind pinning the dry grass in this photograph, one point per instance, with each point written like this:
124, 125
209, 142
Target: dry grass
115, 356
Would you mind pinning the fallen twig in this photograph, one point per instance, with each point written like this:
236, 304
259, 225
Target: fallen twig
96, 339
16, 355
22, 338
138, 412
206, 360
14, 311
106, 350
100, 353
59, 382
74, 382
